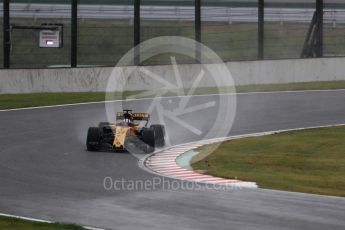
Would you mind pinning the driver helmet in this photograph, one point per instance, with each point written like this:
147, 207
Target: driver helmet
128, 118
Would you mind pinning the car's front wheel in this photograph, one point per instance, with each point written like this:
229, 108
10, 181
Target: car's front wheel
93, 139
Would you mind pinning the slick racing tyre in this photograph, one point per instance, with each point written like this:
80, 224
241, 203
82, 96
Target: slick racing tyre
159, 135
93, 139
148, 136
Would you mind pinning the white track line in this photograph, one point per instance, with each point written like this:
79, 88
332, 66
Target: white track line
196, 177
175, 170
161, 162
184, 174
216, 180
142, 99
42, 221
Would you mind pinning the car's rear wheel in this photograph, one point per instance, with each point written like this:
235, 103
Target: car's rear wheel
148, 136
93, 139
159, 132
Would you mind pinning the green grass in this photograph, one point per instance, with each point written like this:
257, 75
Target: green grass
310, 161
321, 85
8, 223
12, 101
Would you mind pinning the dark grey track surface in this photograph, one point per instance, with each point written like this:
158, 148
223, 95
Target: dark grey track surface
45, 171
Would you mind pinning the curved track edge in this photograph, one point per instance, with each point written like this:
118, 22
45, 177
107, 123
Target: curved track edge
163, 162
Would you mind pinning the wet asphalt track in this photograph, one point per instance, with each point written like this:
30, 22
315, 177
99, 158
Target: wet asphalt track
47, 173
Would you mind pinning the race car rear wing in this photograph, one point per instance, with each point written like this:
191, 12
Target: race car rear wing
136, 116
141, 116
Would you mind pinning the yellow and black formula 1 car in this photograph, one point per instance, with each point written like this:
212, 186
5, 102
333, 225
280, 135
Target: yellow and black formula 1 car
130, 132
